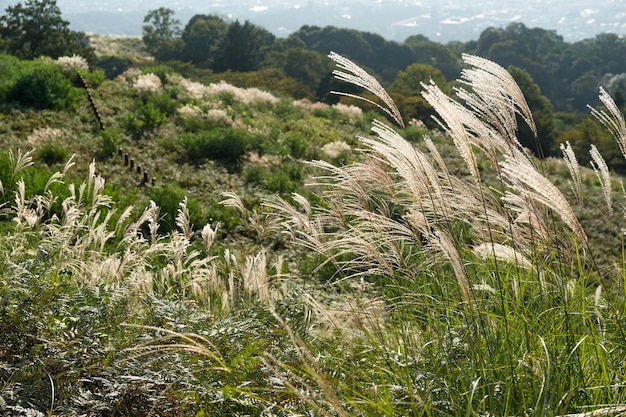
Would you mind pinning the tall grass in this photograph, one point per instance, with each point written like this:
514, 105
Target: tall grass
493, 301
467, 289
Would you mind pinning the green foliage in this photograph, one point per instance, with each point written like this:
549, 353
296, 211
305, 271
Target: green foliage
244, 48
114, 65
160, 31
94, 78
168, 197
11, 69
36, 28
52, 153
308, 67
43, 86
108, 144
228, 145
203, 36
284, 178
151, 110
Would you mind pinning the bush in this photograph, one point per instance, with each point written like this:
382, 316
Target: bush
44, 87
114, 65
147, 117
108, 142
283, 179
52, 153
227, 145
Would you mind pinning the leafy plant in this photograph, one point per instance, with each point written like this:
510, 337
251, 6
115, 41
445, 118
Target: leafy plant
43, 86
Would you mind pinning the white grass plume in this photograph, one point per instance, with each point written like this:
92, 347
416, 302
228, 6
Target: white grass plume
500, 94
602, 172
613, 120
528, 182
569, 156
350, 72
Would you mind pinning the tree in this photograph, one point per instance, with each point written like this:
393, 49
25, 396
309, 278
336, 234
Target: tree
161, 34
36, 28
245, 48
303, 65
203, 36
407, 91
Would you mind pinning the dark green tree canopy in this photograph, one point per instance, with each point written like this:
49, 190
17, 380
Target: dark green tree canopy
36, 28
244, 48
202, 37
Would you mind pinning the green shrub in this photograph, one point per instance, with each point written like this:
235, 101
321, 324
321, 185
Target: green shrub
44, 87
107, 144
145, 119
51, 153
11, 69
297, 146
227, 145
114, 65
94, 78
283, 179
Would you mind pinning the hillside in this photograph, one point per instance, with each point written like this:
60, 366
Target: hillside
220, 250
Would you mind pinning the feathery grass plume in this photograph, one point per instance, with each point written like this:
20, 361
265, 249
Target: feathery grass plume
569, 156
501, 96
504, 253
443, 244
534, 187
430, 145
148, 83
450, 118
412, 165
20, 161
254, 277
613, 121
183, 221
209, 235
602, 172
350, 72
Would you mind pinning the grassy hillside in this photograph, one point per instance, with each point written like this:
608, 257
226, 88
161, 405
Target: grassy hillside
217, 250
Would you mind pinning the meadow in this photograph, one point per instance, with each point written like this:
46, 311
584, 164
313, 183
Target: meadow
225, 251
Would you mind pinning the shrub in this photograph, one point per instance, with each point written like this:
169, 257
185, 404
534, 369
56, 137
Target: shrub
108, 142
283, 179
151, 111
114, 65
227, 145
52, 152
44, 87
